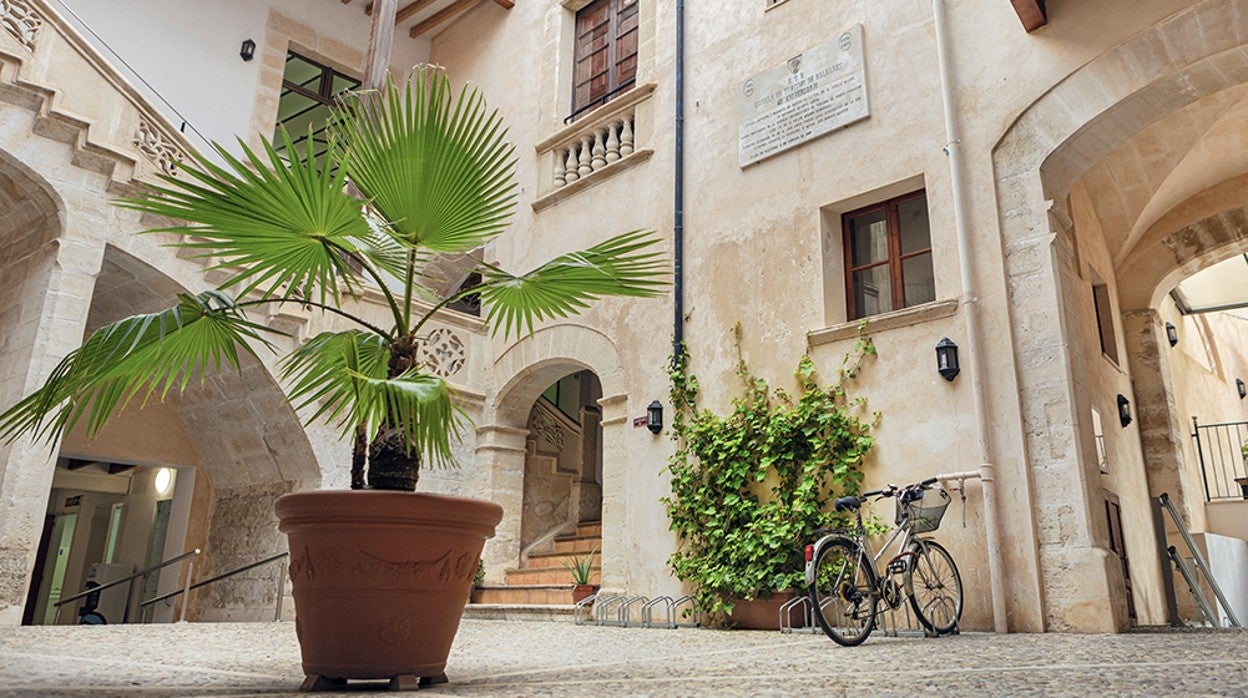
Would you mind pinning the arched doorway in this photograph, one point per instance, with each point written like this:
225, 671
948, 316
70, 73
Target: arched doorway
549, 470
1119, 182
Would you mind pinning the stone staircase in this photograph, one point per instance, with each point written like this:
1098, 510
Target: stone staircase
545, 581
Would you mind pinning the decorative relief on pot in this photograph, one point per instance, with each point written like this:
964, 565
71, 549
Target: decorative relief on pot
326, 564
152, 143
442, 352
395, 627
20, 21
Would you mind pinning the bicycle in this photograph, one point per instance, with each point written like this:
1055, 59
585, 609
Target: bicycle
846, 587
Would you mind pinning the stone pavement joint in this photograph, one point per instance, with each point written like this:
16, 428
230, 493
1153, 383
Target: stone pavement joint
528, 658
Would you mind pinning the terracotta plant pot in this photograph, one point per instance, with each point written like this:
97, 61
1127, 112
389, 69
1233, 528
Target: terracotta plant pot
380, 579
582, 591
763, 613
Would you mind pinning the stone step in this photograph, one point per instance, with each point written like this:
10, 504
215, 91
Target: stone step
547, 575
541, 594
578, 545
556, 560
507, 611
589, 528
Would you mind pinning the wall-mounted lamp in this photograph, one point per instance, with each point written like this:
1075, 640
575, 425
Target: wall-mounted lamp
1239, 385
947, 358
1172, 334
248, 50
1124, 410
654, 417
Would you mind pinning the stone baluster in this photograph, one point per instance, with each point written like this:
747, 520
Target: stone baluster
626, 136
599, 152
561, 169
570, 166
613, 141
585, 166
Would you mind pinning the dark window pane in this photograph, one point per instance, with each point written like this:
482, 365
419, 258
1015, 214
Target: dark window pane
873, 292
917, 279
869, 238
915, 234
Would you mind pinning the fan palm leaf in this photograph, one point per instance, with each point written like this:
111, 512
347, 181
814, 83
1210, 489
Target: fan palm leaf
564, 286
285, 227
144, 354
437, 166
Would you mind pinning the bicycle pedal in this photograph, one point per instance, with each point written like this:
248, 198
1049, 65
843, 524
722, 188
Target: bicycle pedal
897, 566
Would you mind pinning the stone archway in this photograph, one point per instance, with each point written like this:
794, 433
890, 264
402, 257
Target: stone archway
525, 370
1056, 141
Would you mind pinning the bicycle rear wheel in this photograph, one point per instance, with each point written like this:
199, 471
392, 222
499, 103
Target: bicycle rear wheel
844, 592
935, 587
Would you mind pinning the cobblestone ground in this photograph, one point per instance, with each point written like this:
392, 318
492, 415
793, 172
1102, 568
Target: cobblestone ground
526, 658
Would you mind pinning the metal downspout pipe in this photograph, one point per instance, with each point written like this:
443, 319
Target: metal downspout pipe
678, 222
987, 471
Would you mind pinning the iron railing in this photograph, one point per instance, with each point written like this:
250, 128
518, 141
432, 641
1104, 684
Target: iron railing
281, 585
1222, 460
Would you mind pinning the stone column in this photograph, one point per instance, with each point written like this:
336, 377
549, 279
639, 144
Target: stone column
26, 467
615, 430
586, 490
500, 454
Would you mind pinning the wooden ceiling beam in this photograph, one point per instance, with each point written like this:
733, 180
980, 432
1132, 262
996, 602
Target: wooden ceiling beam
1032, 13
505, 4
406, 11
442, 15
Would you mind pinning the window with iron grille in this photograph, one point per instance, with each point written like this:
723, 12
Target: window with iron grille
309, 90
888, 256
605, 53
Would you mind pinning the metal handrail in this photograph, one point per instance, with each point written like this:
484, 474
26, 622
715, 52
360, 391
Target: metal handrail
217, 578
136, 575
1199, 559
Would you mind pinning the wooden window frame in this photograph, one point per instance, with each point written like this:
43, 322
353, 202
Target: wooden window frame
895, 257
614, 85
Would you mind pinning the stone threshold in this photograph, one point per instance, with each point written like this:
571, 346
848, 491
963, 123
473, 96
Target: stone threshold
503, 611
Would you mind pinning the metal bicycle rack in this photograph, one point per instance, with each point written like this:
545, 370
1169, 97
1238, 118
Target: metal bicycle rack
808, 615
602, 610
624, 617
694, 613
669, 616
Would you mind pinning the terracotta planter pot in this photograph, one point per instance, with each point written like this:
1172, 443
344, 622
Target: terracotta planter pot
582, 591
380, 579
763, 613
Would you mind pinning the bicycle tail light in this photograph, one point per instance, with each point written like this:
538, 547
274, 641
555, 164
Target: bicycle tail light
810, 553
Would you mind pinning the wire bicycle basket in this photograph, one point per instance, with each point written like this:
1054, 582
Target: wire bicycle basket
923, 509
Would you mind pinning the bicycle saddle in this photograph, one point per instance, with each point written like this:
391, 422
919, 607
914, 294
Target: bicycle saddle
850, 503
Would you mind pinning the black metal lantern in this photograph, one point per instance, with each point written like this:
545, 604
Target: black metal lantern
1239, 385
947, 358
1172, 334
654, 417
1124, 410
248, 50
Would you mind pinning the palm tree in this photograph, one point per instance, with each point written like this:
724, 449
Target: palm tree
434, 176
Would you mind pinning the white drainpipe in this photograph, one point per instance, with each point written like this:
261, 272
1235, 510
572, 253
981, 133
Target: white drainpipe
970, 300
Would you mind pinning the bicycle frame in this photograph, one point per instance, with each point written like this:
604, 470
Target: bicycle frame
859, 536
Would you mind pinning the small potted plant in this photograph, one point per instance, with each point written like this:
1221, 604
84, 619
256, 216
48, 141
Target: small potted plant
582, 569
380, 574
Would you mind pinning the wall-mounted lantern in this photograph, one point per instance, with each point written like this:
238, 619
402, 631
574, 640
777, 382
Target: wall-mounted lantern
1239, 385
654, 417
1172, 334
248, 50
1124, 410
947, 358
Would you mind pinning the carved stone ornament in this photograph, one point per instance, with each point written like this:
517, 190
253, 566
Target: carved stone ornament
543, 426
20, 21
151, 142
442, 353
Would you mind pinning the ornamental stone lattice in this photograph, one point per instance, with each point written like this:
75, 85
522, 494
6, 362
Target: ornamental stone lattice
442, 353
20, 21
152, 142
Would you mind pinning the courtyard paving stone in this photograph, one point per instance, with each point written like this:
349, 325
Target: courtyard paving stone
532, 658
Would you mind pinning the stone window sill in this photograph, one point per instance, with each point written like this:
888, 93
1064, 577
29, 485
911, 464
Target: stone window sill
883, 322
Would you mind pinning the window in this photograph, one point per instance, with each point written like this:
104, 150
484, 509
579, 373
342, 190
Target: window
1104, 318
605, 53
308, 93
888, 256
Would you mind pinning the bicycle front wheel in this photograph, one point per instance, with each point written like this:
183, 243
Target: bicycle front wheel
935, 587
844, 593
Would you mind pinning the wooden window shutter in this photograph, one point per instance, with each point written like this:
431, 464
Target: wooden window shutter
605, 51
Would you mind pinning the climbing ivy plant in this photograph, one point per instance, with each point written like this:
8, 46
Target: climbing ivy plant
750, 487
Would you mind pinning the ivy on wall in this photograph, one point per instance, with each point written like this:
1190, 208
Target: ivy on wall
750, 487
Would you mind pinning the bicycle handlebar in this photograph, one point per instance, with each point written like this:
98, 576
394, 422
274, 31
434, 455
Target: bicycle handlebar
892, 490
